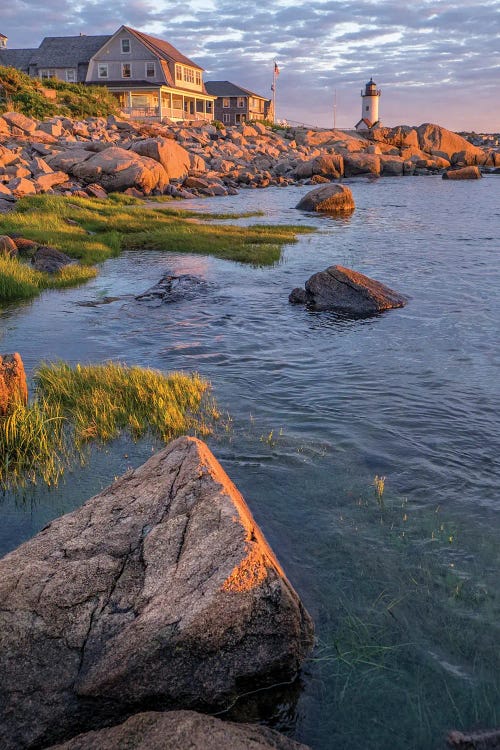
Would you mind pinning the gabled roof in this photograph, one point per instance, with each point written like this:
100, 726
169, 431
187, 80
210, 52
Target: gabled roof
66, 51
3, 36
16, 58
161, 49
226, 88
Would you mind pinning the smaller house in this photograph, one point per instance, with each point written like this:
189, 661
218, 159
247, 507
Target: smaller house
3, 41
235, 104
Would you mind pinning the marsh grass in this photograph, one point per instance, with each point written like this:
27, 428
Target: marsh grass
73, 406
20, 281
32, 444
100, 229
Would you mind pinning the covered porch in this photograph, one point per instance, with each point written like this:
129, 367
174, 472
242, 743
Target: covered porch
157, 103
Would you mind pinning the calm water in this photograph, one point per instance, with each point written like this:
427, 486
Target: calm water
404, 589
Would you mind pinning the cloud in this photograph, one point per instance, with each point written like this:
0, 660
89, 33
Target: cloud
435, 59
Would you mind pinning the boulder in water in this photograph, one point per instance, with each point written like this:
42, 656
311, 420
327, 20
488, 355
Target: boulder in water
347, 291
160, 591
331, 198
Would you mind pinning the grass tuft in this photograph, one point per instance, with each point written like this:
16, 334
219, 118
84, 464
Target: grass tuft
19, 281
73, 406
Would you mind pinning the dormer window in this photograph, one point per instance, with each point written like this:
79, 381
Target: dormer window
125, 46
178, 72
198, 78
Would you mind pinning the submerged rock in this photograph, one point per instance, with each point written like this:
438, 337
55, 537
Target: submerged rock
13, 388
184, 729
333, 198
173, 288
160, 591
339, 288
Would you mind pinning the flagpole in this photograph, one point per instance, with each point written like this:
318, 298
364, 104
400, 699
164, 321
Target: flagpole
274, 91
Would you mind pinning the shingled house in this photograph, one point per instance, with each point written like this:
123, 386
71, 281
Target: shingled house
150, 77
235, 104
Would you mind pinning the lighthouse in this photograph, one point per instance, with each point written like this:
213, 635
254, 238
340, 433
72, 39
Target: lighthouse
369, 107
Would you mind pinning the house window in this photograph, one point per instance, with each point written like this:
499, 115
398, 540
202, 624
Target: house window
209, 106
102, 70
226, 118
189, 75
367, 108
240, 118
226, 103
241, 101
125, 46
178, 72
150, 70
198, 78
47, 73
71, 75
126, 70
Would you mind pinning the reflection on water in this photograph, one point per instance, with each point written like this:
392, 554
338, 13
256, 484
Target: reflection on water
404, 592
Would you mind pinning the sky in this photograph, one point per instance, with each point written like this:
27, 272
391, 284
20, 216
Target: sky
435, 61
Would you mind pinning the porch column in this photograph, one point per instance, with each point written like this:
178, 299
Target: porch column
129, 96
160, 104
183, 107
204, 109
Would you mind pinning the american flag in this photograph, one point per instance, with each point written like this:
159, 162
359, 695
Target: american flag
276, 69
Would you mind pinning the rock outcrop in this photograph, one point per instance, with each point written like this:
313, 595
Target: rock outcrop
331, 198
160, 592
179, 730
13, 388
341, 289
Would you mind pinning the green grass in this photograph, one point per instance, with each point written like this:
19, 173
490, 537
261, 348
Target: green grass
19, 281
21, 93
72, 406
118, 225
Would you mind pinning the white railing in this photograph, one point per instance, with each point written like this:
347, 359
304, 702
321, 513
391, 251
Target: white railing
148, 113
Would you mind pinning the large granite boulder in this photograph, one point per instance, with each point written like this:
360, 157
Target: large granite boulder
173, 157
439, 141
179, 730
117, 169
347, 291
160, 592
463, 173
331, 198
65, 160
13, 388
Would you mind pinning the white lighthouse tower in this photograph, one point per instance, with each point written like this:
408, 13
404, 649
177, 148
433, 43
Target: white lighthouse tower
369, 107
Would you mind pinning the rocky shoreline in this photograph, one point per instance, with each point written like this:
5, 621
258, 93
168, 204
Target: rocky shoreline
100, 155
